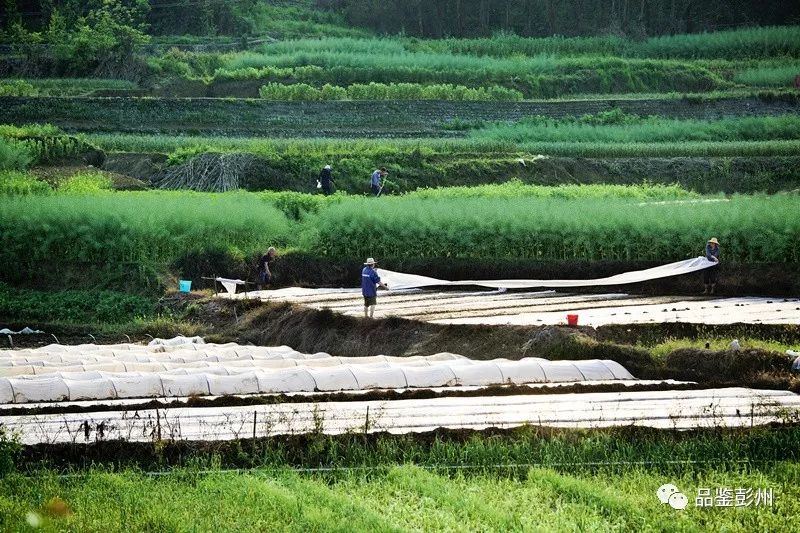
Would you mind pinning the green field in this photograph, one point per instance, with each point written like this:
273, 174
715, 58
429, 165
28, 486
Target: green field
401, 499
110, 233
146, 142
521, 480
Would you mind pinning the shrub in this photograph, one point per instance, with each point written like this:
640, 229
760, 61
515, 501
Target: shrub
14, 155
85, 183
17, 88
19, 183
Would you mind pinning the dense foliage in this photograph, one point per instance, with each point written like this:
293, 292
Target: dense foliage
121, 232
753, 229
462, 18
79, 38
78, 306
103, 238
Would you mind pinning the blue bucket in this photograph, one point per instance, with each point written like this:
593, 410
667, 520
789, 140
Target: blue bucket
185, 285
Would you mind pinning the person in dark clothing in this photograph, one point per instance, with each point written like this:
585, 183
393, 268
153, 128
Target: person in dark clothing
264, 272
376, 181
710, 274
370, 281
326, 180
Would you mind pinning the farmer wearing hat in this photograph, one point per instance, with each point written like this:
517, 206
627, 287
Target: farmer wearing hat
710, 273
326, 180
370, 281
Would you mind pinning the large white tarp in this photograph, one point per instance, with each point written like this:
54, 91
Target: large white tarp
401, 281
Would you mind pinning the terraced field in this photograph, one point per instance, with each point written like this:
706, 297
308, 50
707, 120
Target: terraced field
149, 159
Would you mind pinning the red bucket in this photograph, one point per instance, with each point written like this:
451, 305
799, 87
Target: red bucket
572, 320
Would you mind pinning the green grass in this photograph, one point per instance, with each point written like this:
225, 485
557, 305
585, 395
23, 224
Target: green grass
300, 20
718, 343
404, 498
582, 480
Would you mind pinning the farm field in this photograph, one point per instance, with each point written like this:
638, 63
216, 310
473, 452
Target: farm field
436, 494
572, 162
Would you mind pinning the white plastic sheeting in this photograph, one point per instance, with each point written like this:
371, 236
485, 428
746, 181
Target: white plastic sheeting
58, 373
399, 280
668, 409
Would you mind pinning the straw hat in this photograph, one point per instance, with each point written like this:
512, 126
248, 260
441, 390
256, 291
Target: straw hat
370, 261
327, 167
714, 240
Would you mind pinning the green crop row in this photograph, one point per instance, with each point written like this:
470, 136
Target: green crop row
61, 86
144, 235
515, 189
388, 91
143, 232
536, 77
617, 127
540, 68
80, 306
14, 155
751, 229
763, 42
769, 75
703, 166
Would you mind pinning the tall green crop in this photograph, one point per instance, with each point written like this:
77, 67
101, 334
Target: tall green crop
752, 229
144, 230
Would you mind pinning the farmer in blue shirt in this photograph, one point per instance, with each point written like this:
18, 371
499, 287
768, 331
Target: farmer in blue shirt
370, 281
710, 273
376, 181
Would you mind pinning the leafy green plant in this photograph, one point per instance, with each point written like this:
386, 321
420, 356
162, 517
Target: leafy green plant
76, 306
85, 182
17, 88
14, 155
18, 183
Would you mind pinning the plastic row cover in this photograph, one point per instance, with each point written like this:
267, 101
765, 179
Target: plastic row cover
110, 385
143, 365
